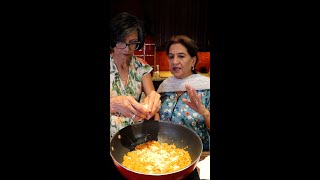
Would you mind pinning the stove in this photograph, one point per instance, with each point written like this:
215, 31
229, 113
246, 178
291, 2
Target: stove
193, 176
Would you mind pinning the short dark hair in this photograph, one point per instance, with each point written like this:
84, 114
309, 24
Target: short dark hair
123, 24
187, 42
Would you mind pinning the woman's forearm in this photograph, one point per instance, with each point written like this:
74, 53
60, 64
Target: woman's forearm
112, 103
206, 116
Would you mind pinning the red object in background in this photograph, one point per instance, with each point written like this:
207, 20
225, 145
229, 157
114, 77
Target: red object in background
153, 57
147, 52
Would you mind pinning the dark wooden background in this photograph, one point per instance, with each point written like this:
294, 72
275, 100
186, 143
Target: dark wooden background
164, 18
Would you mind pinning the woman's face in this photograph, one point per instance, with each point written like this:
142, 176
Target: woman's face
180, 62
125, 50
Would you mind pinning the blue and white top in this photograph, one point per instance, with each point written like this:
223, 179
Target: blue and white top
175, 110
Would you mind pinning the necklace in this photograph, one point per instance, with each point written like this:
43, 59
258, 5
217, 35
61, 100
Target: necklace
124, 81
178, 94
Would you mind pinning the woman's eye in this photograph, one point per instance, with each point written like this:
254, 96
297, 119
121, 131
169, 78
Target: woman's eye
133, 41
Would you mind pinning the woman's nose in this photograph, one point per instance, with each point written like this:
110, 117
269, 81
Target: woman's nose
175, 60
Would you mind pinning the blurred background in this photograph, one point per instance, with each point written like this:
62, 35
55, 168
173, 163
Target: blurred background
164, 18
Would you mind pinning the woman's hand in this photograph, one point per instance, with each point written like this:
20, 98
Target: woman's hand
196, 104
129, 107
195, 101
153, 101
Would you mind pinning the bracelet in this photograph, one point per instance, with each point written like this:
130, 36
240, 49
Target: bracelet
206, 112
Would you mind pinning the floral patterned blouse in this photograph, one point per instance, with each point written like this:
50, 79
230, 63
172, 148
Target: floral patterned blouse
138, 68
175, 110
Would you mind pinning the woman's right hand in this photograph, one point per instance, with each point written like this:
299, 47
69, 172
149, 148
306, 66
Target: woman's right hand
152, 102
128, 106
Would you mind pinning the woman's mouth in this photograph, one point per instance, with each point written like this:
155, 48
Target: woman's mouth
175, 69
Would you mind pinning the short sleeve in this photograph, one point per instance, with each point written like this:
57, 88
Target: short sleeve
142, 66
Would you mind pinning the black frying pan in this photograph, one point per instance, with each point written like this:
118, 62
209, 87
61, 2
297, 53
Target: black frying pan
164, 132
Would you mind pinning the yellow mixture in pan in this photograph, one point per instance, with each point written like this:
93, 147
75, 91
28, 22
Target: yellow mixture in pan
156, 158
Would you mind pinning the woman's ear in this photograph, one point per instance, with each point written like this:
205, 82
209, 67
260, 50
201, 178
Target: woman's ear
194, 60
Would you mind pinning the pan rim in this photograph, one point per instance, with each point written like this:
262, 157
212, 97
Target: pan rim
163, 174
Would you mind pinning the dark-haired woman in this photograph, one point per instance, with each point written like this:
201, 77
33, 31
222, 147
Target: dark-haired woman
129, 75
186, 95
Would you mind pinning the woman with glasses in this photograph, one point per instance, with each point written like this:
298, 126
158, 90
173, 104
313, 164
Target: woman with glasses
181, 103
129, 75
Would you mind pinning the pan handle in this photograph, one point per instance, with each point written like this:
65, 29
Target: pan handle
151, 127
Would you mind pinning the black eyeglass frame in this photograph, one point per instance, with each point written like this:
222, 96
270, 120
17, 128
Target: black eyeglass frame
129, 44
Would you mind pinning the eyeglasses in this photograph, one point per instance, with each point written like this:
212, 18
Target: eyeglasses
132, 45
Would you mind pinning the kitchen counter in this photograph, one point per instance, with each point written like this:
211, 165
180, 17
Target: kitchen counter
165, 74
204, 154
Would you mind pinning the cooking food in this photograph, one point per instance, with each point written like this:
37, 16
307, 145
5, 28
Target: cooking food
161, 131
153, 157
145, 106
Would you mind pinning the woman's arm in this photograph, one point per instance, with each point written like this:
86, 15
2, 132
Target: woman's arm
147, 84
206, 116
196, 104
152, 97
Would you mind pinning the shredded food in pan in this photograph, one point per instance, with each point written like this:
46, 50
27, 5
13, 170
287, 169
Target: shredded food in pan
156, 158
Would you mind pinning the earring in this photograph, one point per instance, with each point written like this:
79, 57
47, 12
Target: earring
192, 68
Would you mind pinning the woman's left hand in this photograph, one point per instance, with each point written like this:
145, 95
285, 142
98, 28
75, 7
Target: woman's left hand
195, 100
153, 101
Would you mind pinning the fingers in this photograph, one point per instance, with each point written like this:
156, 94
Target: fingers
155, 110
151, 99
146, 102
126, 108
157, 117
141, 110
186, 101
139, 114
154, 102
147, 106
136, 118
188, 88
132, 109
193, 95
195, 100
129, 107
156, 105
